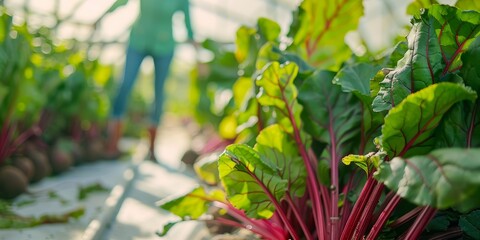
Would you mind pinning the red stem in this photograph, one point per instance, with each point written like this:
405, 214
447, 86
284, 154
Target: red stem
257, 225
452, 233
34, 130
472, 126
263, 233
312, 182
383, 217
346, 209
358, 208
386, 201
420, 223
458, 51
334, 217
301, 222
405, 218
278, 207
368, 210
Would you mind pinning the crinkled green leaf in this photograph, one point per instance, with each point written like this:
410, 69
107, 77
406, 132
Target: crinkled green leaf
420, 67
409, 126
319, 28
251, 183
277, 89
468, 5
435, 43
275, 146
443, 178
191, 205
331, 115
470, 224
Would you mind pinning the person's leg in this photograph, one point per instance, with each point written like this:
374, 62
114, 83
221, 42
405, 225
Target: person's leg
162, 67
132, 65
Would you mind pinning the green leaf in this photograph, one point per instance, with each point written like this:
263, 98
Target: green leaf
470, 70
167, 227
420, 67
207, 169
3, 94
470, 224
356, 77
269, 52
245, 48
268, 29
323, 172
277, 89
331, 115
84, 191
459, 127
278, 148
443, 178
376, 80
435, 43
455, 29
409, 126
366, 163
319, 28
191, 205
396, 54
252, 184
438, 224
470, 203
468, 5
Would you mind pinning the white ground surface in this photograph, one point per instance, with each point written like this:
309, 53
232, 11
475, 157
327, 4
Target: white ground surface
128, 211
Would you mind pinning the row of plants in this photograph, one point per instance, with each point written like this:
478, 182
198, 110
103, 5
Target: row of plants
331, 145
54, 103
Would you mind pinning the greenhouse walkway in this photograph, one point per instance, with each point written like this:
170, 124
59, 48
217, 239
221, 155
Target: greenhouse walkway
126, 209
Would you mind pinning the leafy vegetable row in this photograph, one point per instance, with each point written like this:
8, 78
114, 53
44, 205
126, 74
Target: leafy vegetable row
305, 112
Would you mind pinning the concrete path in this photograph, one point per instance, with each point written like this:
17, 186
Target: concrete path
128, 210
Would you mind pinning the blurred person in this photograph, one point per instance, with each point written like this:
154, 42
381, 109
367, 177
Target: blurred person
151, 35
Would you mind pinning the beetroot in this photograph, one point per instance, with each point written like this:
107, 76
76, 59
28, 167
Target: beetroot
25, 165
12, 182
94, 150
40, 161
61, 157
77, 153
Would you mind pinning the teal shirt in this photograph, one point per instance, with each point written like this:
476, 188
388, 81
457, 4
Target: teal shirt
152, 31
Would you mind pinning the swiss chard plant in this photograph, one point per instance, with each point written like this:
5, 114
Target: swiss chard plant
373, 147
14, 62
